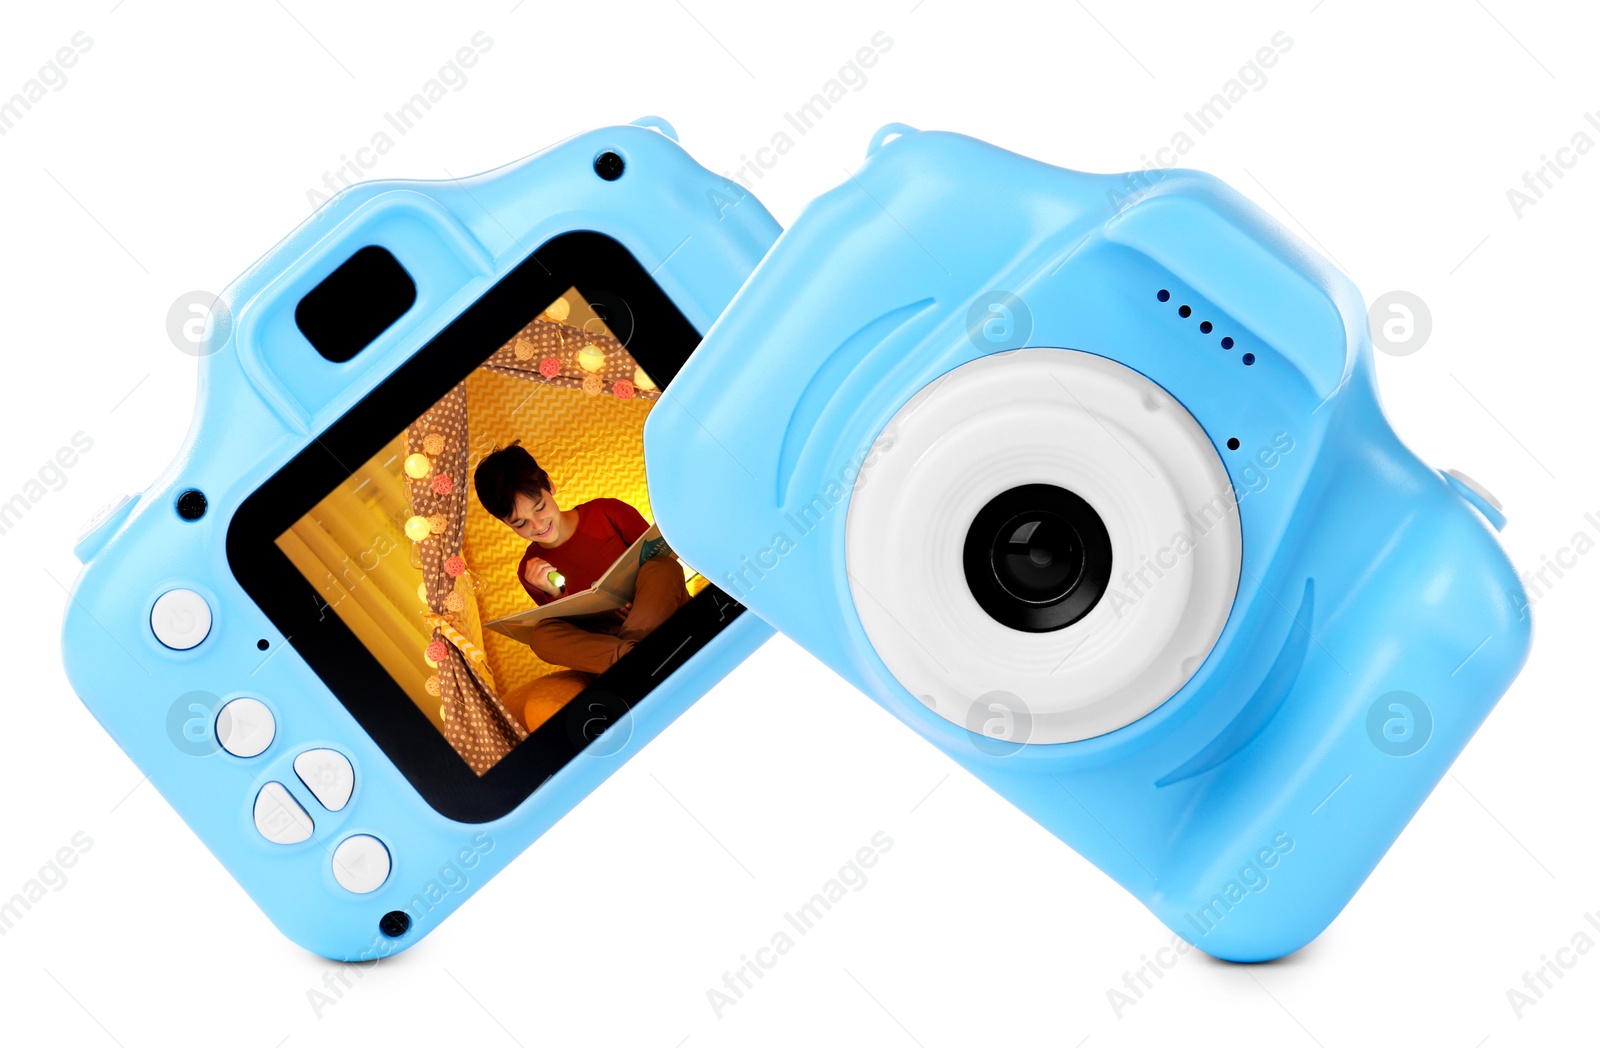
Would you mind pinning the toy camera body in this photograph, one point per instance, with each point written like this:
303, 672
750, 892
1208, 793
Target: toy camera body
1085, 479
267, 707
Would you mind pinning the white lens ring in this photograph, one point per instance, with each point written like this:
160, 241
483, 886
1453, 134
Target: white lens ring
1109, 435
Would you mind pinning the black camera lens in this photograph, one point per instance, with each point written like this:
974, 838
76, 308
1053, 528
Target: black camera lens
1037, 558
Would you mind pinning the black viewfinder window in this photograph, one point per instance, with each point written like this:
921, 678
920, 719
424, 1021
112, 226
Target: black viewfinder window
357, 303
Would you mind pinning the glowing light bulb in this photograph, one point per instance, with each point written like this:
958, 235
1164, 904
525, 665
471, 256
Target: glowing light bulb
418, 466
558, 580
417, 529
591, 357
641, 380
422, 592
558, 310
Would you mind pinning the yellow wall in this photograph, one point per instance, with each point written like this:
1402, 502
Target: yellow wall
352, 547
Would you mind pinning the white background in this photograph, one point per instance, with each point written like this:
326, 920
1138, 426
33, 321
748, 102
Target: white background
182, 147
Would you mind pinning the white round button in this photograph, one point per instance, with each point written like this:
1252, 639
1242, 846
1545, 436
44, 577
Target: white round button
245, 727
361, 864
180, 619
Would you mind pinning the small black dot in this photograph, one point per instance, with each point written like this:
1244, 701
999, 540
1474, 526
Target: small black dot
1184, 311
192, 504
395, 923
1233, 443
608, 166
1205, 327
262, 644
1248, 358
1163, 295
1227, 343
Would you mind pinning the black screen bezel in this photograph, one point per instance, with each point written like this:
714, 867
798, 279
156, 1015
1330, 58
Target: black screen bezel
660, 339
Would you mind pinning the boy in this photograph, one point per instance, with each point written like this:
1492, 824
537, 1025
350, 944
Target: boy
580, 543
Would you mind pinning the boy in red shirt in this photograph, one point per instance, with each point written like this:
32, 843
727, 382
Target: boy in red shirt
580, 543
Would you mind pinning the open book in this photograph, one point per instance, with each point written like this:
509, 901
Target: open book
611, 590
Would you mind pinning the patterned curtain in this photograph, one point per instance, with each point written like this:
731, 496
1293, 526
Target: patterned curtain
557, 354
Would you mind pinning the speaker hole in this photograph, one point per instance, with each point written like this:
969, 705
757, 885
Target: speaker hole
192, 504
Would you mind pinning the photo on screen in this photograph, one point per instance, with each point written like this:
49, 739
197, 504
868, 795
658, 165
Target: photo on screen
499, 554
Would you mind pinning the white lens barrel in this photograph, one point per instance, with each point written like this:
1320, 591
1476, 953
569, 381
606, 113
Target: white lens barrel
1109, 435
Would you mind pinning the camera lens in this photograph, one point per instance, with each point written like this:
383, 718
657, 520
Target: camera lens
1037, 558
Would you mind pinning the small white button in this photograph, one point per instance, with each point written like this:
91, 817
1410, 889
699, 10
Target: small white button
1477, 489
245, 727
361, 864
103, 514
328, 775
180, 619
279, 816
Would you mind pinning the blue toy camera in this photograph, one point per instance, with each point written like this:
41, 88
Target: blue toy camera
1084, 478
321, 632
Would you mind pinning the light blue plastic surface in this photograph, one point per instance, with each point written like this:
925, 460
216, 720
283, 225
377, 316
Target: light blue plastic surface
262, 397
1365, 572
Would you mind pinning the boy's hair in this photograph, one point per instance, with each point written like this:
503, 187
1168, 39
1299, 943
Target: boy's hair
502, 474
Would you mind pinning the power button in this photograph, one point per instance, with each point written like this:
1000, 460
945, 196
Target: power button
180, 619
